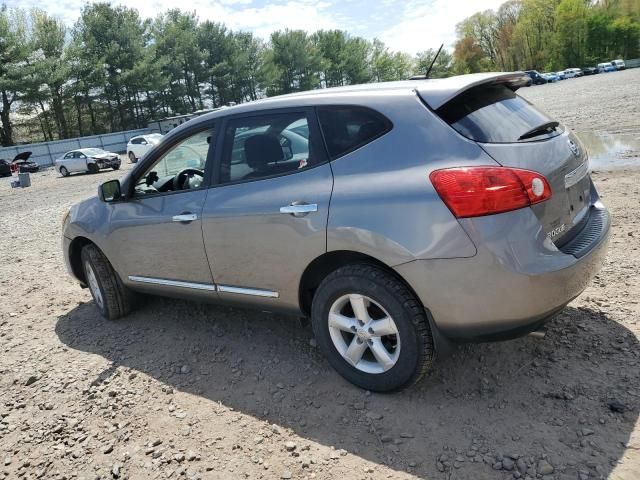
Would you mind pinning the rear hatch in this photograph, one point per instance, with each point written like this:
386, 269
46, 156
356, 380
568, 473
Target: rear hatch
515, 134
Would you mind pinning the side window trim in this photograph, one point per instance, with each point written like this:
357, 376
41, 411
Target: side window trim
314, 129
141, 167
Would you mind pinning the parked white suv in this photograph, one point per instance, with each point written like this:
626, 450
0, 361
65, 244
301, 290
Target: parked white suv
140, 145
619, 64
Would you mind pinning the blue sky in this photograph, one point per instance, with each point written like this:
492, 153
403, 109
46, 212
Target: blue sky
407, 25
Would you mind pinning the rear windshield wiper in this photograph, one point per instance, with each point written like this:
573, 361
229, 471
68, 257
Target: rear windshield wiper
540, 129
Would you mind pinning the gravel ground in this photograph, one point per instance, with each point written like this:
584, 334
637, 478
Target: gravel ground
609, 101
183, 390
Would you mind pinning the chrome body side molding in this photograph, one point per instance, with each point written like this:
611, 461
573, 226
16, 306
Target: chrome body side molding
206, 286
248, 291
173, 283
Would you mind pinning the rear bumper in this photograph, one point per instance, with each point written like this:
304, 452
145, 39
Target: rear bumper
517, 280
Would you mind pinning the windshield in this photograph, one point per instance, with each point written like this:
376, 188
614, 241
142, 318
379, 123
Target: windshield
494, 114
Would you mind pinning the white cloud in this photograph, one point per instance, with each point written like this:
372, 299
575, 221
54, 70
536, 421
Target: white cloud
404, 25
428, 23
236, 14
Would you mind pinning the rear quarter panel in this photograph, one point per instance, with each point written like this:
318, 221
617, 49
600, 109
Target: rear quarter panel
383, 203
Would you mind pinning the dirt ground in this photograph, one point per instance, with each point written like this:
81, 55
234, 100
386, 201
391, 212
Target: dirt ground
183, 390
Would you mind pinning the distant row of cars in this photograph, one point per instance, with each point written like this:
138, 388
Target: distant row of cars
83, 160
93, 160
538, 78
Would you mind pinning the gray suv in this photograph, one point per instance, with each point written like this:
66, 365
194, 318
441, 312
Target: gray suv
400, 217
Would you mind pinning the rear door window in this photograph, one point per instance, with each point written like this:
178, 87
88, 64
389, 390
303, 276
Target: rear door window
347, 128
495, 114
268, 145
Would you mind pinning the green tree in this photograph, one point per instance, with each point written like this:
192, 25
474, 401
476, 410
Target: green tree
14, 52
357, 69
51, 65
176, 38
443, 66
295, 62
332, 47
571, 32
111, 41
626, 37
469, 57
483, 27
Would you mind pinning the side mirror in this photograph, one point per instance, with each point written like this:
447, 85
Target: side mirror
110, 191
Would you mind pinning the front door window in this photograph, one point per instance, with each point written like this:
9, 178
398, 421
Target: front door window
181, 168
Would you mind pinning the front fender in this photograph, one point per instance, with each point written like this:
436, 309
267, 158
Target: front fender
88, 220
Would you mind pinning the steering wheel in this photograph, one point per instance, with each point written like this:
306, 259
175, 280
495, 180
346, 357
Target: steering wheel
181, 177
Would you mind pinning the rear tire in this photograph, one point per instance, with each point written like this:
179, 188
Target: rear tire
64, 172
132, 157
112, 297
389, 361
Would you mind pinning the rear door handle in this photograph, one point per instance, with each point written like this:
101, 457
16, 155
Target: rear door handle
184, 217
299, 209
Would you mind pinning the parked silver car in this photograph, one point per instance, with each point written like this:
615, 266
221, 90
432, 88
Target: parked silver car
399, 217
89, 160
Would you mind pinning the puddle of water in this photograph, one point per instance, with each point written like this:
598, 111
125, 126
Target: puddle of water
608, 151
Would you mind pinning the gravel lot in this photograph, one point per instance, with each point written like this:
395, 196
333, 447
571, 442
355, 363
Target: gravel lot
184, 390
609, 102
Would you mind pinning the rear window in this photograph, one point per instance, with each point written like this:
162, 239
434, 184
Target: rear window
348, 128
495, 114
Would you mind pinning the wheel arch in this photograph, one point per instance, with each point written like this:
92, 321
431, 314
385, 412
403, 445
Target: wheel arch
75, 258
328, 262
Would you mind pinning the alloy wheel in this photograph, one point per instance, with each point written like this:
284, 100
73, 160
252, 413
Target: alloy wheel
364, 334
93, 285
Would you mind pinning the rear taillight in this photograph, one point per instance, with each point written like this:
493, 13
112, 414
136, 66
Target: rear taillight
478, 191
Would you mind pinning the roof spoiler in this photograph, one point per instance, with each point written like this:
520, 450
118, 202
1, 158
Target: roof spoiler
438, 92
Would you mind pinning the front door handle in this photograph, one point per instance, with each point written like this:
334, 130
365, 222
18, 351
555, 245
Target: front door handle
299, 209
184, 217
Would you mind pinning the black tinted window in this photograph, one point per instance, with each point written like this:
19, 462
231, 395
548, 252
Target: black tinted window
267, 145
494, 114
348, 128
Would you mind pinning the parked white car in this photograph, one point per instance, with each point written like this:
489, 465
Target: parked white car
619, 64
140, 145
86, 160
573, 72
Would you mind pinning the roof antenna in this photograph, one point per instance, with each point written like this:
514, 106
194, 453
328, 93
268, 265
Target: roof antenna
433, 61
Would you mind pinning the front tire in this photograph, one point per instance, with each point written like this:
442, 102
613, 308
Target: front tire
93, 168
132, 157
116, 167
111, 296
371, 328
